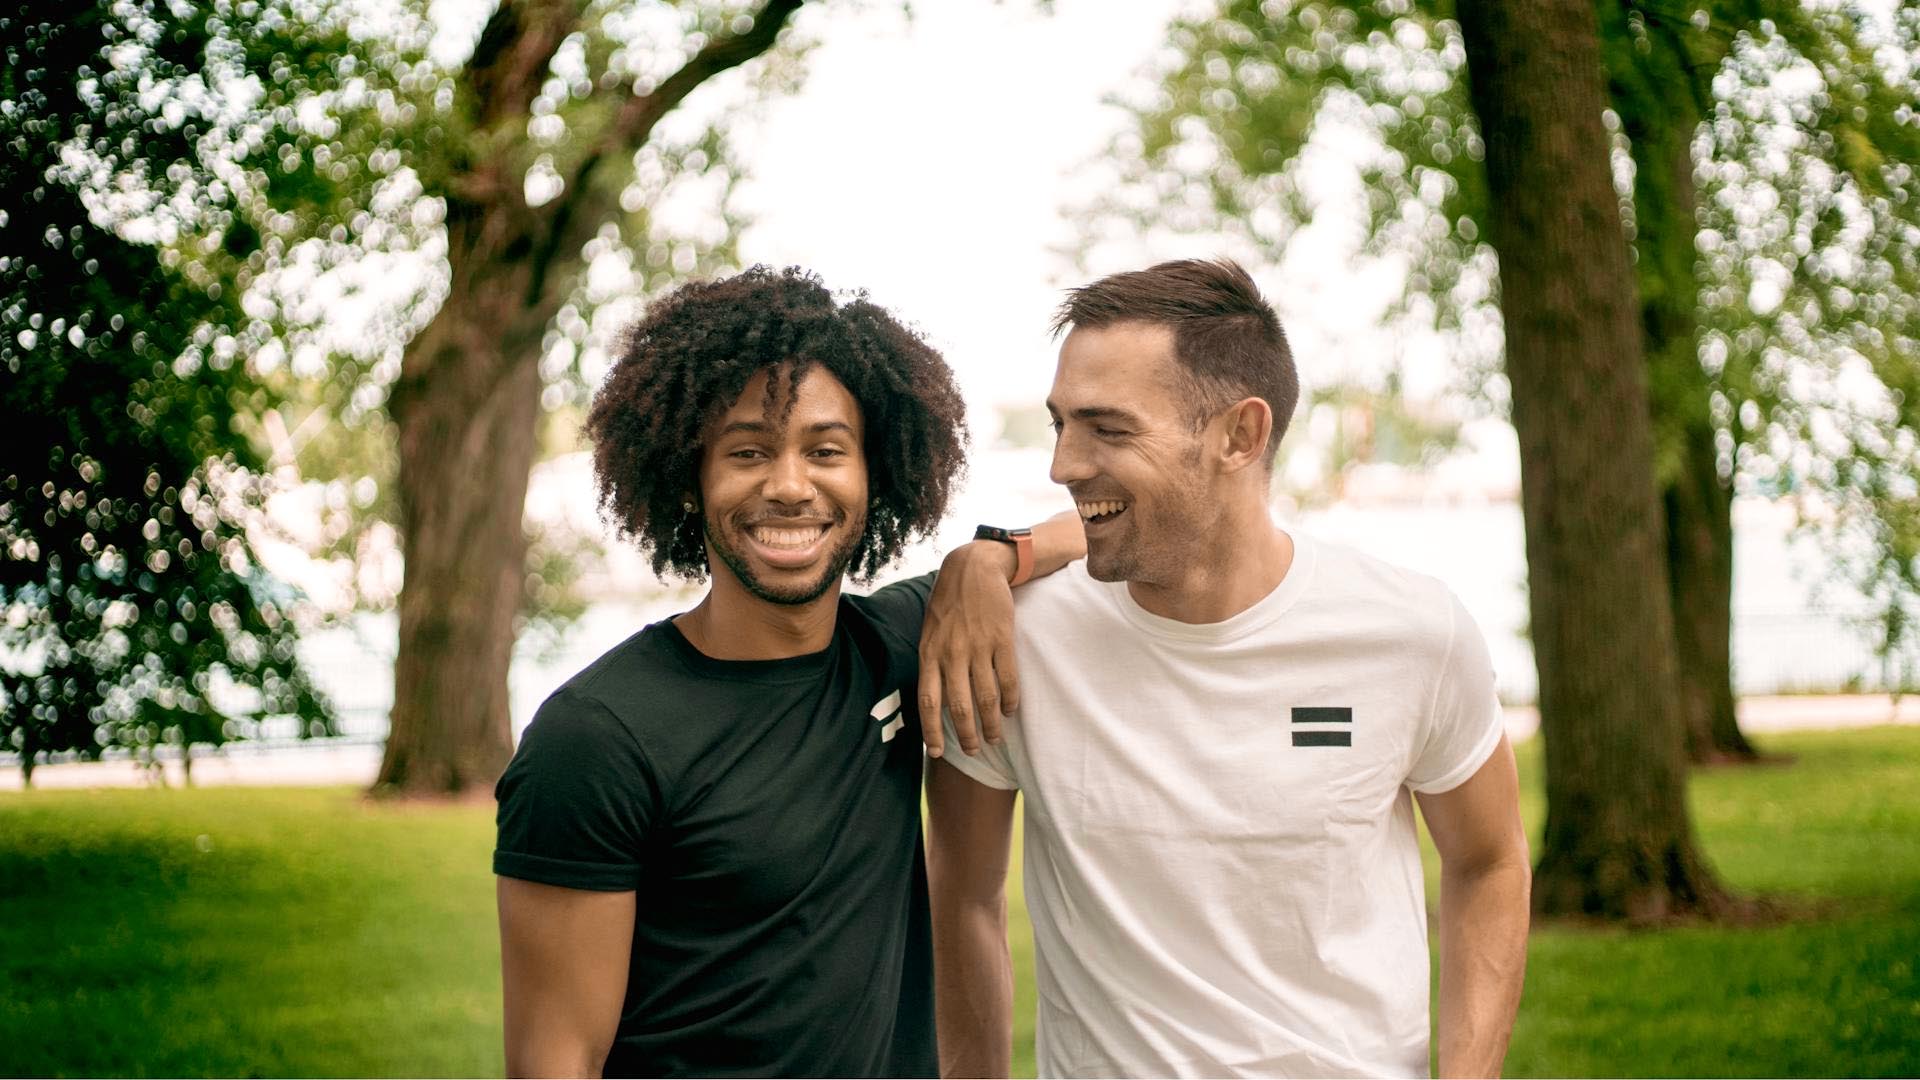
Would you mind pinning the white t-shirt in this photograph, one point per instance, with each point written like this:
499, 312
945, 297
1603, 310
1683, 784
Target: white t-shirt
1221, 862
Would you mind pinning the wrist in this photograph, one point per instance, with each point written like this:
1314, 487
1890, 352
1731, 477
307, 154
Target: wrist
1020, 541
993, 555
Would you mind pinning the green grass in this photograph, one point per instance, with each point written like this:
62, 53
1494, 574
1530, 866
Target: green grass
310, 933
1837, 831
240, 932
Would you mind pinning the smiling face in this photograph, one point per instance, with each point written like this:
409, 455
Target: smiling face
785, 498
1127, 452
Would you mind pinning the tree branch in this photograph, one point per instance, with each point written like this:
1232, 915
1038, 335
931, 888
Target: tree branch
641, 112
509, 64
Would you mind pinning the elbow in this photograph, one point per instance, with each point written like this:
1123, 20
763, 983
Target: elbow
1507, 866
974, 910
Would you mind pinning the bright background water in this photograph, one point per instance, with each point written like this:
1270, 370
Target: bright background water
1794, 630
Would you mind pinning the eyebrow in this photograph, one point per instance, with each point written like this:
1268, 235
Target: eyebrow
1098, 412
761, 427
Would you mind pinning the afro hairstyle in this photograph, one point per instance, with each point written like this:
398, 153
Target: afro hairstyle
692, 355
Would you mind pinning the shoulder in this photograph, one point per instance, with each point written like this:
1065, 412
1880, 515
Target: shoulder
897, 606
892, 613
1415, 611
1069, 590
575, 730
625, 679
615, 710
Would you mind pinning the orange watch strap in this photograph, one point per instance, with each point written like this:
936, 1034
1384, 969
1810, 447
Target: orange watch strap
1022, 558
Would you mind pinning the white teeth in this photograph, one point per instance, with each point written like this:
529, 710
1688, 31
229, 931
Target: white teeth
792, 539
1091, 510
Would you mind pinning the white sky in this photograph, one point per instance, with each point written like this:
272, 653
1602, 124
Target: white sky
932, 155
933, 160
930, 162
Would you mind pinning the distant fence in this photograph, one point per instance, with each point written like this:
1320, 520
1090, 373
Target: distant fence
1822, 650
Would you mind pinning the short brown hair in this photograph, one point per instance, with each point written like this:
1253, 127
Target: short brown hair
1228, 340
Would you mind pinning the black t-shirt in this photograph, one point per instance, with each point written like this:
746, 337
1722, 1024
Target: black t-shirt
768, 815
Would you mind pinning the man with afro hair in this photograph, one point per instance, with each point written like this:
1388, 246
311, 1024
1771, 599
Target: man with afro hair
709, 852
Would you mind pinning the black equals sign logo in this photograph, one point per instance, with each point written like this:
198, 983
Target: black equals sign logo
1323, 715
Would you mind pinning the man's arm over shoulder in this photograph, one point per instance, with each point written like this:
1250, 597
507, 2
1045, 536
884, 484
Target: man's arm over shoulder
969, 838
575, 804
967, 665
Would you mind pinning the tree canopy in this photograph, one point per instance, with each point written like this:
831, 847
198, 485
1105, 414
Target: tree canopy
1787, 232
137, 612
1808, 193
345, 255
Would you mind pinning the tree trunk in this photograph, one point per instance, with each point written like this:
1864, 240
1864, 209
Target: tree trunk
1699, 510
1654, 92
1618, 840
466, 439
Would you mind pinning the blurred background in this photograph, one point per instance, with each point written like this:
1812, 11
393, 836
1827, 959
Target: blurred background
306, 301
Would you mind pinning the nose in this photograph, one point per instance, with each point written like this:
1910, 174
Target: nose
1071, 463
789, 481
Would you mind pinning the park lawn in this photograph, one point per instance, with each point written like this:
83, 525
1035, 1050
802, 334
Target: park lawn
1836, 831
246, 932
306, 932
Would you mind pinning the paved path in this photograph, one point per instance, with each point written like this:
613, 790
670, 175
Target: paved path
356, 765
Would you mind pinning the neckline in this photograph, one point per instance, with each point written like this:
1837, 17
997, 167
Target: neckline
786, 669
1260, 614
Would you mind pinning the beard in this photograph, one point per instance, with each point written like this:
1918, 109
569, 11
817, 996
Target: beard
1157, 541
788, 595
1159, 537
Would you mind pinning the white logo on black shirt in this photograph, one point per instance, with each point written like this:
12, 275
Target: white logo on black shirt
887, 711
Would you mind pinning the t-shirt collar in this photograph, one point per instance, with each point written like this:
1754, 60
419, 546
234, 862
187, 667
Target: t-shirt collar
1263, 612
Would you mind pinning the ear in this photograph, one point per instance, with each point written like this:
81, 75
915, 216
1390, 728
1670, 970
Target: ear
1247, 427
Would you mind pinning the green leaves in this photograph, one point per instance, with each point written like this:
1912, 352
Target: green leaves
136, 613
1794, 130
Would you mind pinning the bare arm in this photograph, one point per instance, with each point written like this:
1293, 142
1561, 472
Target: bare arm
563, 974
1485, 880
966, 642
970, 830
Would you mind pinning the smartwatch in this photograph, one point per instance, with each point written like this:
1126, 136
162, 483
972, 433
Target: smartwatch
1022, 541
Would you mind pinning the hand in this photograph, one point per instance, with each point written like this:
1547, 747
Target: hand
966, 647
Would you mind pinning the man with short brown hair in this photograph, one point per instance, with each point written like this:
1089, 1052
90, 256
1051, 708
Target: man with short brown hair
1223, 725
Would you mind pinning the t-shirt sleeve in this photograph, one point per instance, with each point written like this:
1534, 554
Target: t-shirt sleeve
992, 766
576, 801
1463, 722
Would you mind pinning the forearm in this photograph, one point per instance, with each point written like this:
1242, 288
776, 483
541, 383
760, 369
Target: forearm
1483, 959
973, 989
1058, 541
